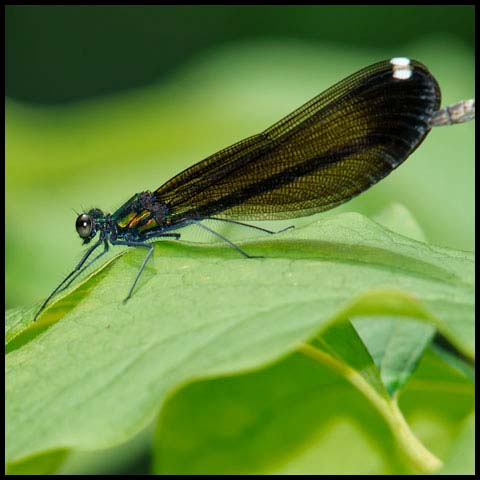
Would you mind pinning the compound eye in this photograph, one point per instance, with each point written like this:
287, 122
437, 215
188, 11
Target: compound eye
84, 225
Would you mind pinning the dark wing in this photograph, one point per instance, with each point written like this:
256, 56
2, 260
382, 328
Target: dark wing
329, 150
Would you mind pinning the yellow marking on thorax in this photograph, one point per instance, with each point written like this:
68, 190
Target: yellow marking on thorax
150, 224
122, 223
134, 221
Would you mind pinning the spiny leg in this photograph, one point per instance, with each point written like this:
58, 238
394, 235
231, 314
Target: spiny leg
142, 266
76, 269
236, 247
271, 232
105, 250
147, 257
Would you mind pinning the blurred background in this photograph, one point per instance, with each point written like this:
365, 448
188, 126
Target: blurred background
103, 102
106, 101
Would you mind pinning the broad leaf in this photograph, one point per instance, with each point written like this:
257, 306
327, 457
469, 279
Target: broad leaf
100, 369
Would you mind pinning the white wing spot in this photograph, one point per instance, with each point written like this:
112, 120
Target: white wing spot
402, 70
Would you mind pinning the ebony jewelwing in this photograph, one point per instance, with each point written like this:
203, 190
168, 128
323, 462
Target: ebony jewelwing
334, 147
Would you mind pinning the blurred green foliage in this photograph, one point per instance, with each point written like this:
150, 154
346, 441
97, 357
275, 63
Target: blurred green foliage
103, 102
58, 53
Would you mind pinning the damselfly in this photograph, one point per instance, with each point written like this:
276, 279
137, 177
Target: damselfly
331, 149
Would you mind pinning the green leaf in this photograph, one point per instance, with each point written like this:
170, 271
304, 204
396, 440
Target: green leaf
16, 321
343, 345
399, 219
341, 348
100, 369
258, 422
459, 364
396, 345
300, 416
45, 463
461, 460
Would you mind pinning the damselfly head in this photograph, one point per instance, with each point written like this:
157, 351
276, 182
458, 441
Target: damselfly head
87, 224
